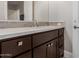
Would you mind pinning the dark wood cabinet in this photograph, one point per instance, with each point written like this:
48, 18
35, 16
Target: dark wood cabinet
44, 37
49, 44
26, 55
60, 44
61, 40
51, 49
40, 52
47, 50
15, 46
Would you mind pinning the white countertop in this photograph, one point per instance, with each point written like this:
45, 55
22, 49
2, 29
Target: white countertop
13, 32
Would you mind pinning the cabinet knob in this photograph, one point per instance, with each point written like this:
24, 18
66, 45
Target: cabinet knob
20, 43
52, 44
49, 45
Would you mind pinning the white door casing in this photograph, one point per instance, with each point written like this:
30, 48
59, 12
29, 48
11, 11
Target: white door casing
75, 41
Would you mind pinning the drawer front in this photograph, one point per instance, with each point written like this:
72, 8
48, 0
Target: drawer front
61, 40
44, 37
25, 55
13, 47
61, 31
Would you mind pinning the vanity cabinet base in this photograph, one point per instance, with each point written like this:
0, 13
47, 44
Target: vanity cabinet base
49, 44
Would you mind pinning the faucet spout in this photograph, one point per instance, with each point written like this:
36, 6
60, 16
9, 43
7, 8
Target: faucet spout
35, 23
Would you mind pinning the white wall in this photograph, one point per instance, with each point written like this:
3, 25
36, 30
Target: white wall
63, 11
41, 10
28, 11
53, 12
3, 10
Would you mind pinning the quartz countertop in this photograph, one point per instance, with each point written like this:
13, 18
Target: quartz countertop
13, 32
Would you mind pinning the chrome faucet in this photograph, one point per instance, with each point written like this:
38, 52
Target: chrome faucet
35, 23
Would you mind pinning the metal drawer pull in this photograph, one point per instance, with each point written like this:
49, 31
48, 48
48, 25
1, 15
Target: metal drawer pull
20, 43
75, 27
51, 44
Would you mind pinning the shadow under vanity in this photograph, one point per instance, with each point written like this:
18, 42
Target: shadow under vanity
46, 44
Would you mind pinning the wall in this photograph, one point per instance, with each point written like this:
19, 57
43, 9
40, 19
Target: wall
63, 11
53, 12
28, 11
41, 11
3, 10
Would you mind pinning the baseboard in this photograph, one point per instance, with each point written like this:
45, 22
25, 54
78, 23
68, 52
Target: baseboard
67, 54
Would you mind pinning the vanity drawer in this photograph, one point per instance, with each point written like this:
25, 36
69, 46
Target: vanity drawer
44, 37
13, 47
61, 31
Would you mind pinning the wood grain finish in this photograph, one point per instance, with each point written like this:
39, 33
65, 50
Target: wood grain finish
26, 55
51, 50
47, 50
61, 40
60, 43
49, 44
44, 37
61, 31
61, 51
40, 52
13, 47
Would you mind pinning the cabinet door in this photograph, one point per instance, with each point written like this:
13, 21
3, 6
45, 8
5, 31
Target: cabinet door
25, 55
47, 50
51, 49
40, 52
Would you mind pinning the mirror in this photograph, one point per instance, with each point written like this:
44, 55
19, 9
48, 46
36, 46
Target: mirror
16, 10
28, 11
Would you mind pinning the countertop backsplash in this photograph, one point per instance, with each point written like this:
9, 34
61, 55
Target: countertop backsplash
56, 23
6, 24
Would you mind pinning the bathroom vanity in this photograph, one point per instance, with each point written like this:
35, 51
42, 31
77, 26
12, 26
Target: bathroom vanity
41, 42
